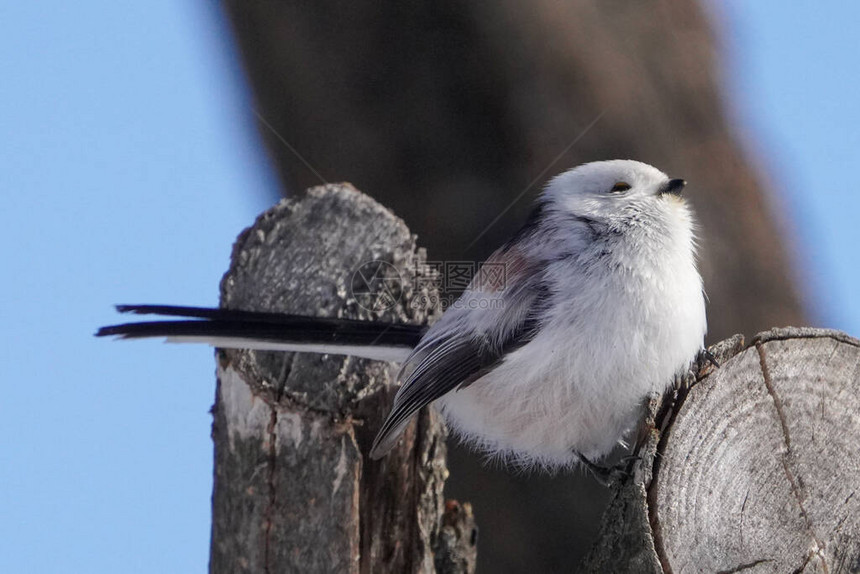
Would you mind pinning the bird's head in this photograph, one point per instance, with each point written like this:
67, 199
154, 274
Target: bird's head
616, 192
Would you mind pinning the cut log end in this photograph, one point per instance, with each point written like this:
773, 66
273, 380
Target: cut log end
757, 468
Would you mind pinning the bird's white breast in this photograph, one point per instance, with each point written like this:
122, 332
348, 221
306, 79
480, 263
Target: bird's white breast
622, 323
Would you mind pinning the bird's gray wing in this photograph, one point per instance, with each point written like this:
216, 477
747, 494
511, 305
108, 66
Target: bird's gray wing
453, 355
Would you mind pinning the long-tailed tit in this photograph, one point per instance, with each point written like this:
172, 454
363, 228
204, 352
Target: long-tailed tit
602, 304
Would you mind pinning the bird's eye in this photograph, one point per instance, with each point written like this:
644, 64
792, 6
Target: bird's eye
620, 186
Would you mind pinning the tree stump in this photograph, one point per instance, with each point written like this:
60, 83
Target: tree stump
294, 490
755, 469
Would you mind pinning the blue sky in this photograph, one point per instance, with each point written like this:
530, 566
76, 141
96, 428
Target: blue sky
129, 163
792, 74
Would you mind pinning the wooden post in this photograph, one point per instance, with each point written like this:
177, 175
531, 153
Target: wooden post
294, 490
755, 469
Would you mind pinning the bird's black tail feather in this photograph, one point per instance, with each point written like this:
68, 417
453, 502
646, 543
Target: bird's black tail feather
270, 331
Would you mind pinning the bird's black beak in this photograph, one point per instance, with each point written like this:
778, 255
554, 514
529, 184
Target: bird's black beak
673, 187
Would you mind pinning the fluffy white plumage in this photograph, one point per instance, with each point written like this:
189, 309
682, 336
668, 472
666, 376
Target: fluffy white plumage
621, 311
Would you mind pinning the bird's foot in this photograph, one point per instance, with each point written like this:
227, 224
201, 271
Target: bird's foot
702, 365
609, 475
706, 357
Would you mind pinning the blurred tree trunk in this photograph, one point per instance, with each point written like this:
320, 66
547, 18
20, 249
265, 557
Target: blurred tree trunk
446, 112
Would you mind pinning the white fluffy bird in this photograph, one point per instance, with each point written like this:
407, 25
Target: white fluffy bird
601, 305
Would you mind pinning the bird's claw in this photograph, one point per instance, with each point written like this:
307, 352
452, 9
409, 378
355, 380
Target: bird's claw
704, 359
684, 381
706, 356
608, 475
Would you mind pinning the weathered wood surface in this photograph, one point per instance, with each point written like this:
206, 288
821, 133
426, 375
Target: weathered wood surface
293, 489
755, 469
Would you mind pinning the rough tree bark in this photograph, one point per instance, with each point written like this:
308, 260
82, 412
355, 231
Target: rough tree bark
294, 490
754, 469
